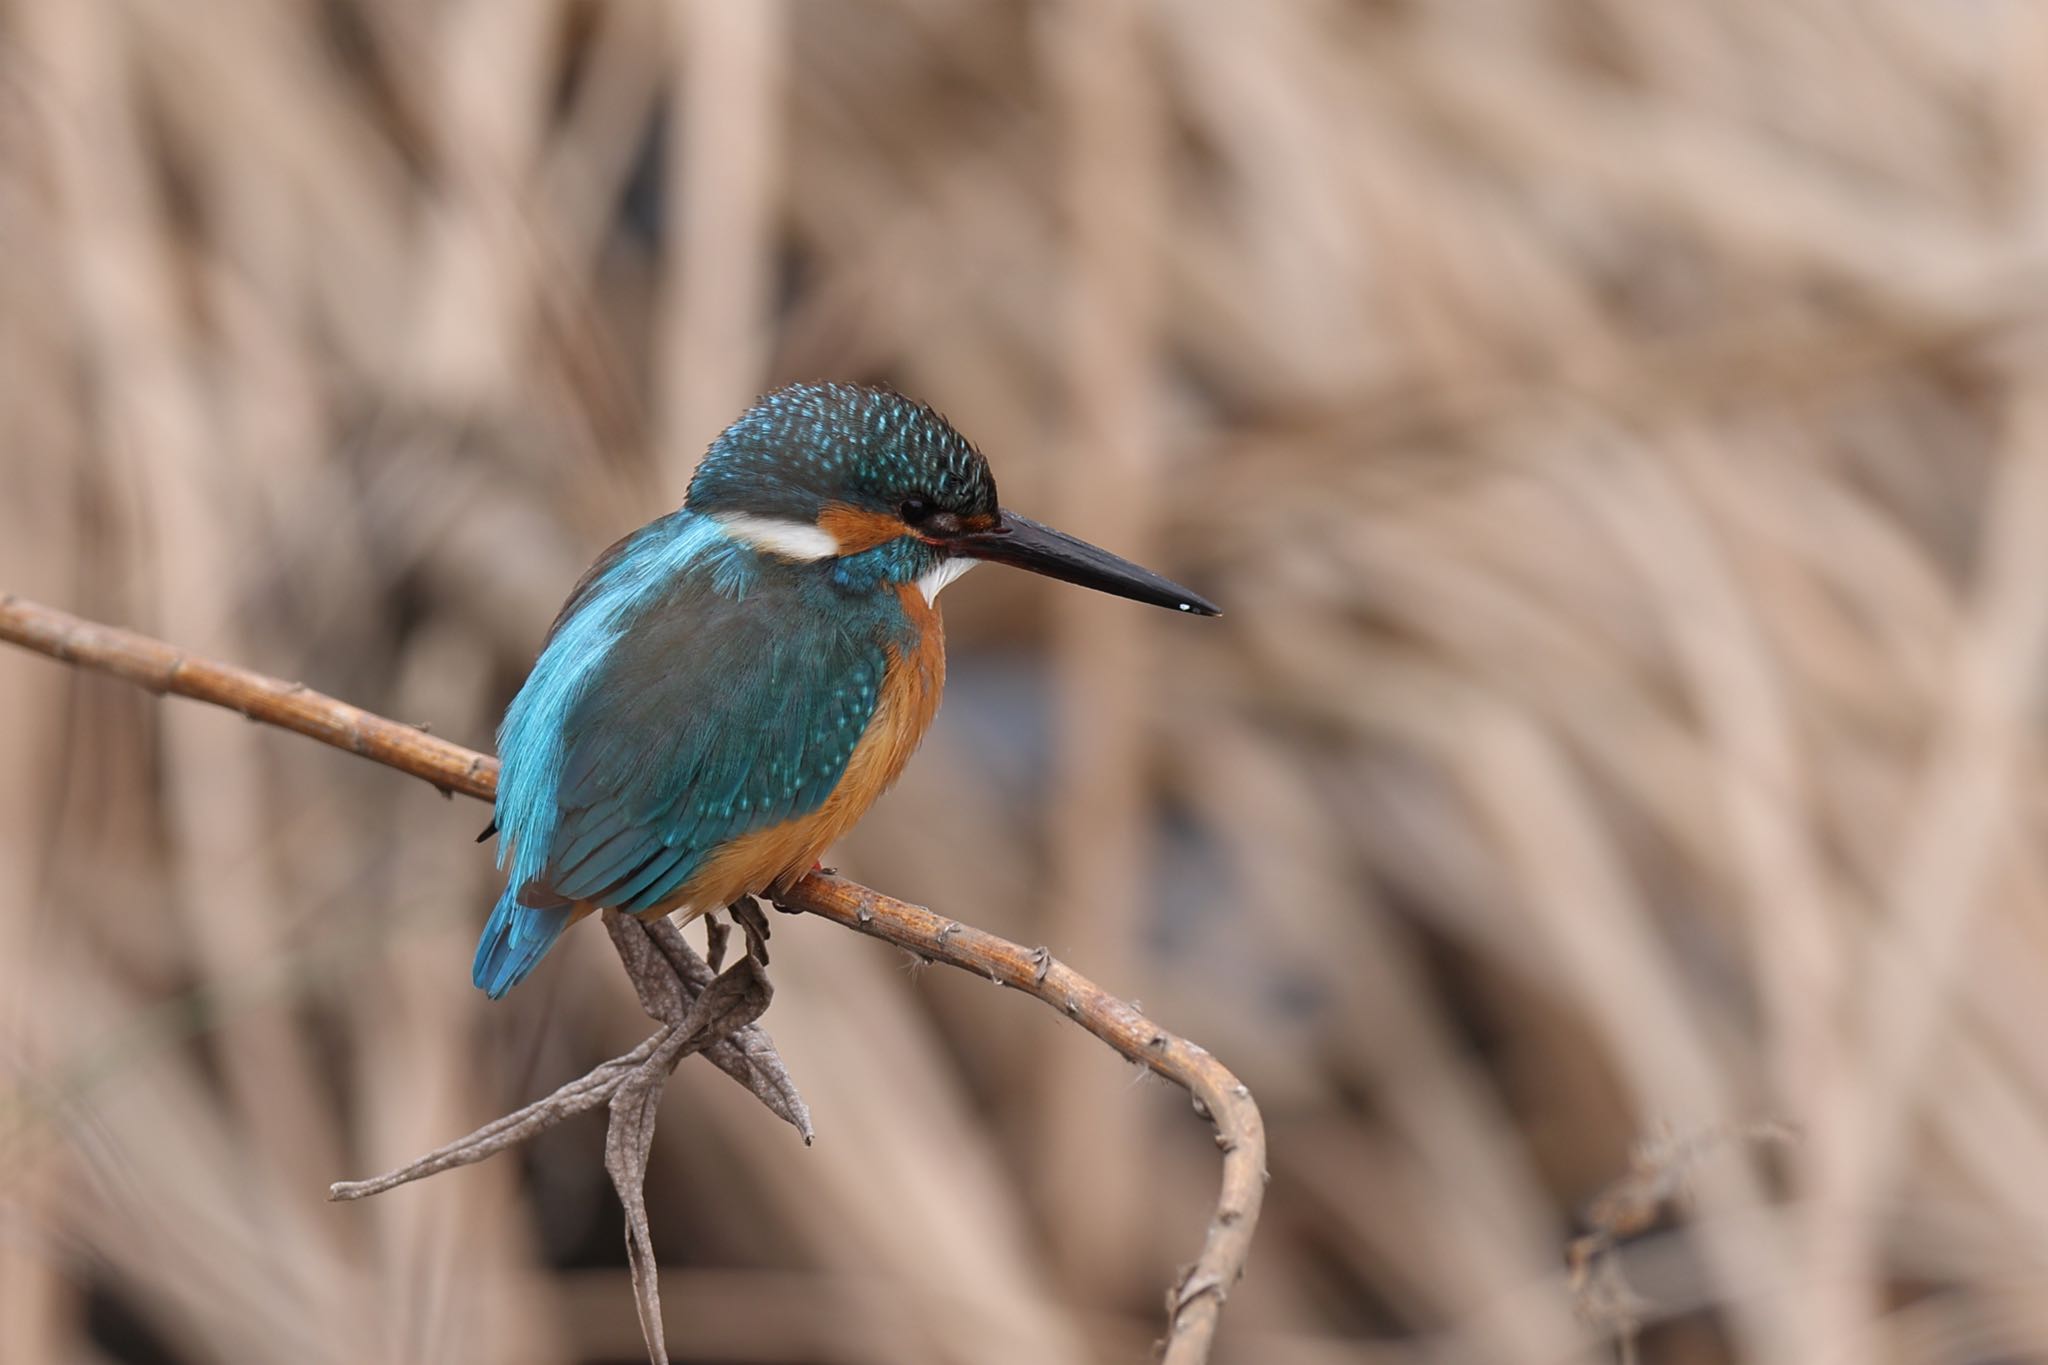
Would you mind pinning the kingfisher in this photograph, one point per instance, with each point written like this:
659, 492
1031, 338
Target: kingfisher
730, 687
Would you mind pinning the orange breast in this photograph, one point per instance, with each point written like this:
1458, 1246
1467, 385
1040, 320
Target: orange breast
912, 683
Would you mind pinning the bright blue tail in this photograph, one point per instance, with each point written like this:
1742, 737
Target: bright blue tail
515, 940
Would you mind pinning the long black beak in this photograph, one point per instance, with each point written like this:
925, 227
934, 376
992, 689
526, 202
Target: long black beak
1031, 545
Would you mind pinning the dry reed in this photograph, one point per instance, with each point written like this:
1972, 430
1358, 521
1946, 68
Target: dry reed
1614, 429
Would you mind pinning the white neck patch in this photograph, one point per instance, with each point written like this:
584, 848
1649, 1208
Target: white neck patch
798, 540
944, 572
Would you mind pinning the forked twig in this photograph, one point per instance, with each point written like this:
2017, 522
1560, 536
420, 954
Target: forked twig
1660, 1166
631, 1084
698, 1012
745, 1053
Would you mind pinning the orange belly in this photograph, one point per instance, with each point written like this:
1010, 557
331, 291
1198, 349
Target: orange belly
909, 697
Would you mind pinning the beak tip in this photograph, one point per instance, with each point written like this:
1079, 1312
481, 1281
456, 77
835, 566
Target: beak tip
1031, 545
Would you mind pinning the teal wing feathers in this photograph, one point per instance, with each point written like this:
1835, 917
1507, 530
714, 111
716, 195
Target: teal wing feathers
689, 693
711, 717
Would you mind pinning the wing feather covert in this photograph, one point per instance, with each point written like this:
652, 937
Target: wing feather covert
709, 718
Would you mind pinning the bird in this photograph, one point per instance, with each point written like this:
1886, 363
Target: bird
729, 688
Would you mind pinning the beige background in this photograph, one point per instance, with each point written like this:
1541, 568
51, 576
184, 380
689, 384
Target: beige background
1615, 429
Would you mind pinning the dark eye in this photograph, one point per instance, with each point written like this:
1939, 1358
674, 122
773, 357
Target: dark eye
915, 509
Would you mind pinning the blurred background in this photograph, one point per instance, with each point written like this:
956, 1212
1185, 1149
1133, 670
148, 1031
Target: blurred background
1609, 810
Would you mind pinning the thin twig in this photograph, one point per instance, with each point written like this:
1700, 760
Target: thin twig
587, 1091
1194, 1302
729, 1004
673, 983
1660, 1165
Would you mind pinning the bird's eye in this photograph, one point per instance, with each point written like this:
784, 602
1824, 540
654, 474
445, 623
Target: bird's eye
915, 509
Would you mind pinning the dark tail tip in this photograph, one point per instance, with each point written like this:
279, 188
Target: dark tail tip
514, 941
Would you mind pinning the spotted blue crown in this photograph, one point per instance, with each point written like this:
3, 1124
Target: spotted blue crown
810, 445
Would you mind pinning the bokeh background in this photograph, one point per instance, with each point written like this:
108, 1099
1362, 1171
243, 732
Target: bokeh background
1611, 806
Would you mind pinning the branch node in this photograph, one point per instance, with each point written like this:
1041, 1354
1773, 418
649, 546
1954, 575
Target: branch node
158, 685
1193, 1286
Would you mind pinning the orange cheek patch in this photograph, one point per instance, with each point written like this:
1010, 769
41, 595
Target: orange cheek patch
856, 530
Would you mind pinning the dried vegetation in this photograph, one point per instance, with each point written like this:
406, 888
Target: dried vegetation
1615, 429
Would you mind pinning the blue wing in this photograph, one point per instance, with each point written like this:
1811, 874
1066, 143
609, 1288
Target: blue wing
681, 702
713, 719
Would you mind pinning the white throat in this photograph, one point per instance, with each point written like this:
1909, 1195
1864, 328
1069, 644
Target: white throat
945, 571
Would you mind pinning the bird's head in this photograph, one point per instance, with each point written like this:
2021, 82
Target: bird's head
859, 475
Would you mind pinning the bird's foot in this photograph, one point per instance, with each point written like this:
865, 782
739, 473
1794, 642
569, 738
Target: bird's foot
817, 870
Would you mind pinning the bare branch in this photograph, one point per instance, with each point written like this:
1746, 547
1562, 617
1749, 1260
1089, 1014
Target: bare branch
1194, 1302
1660, 1165
678, 990
729, 1004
